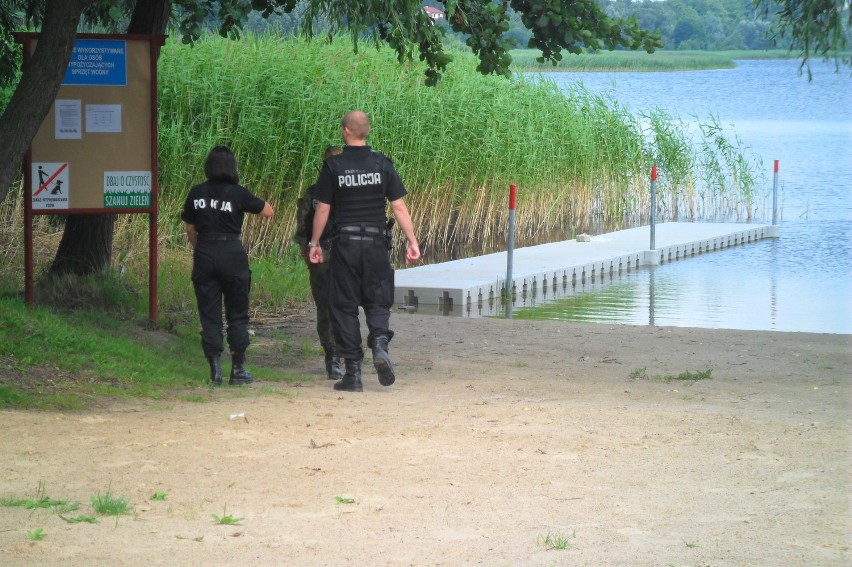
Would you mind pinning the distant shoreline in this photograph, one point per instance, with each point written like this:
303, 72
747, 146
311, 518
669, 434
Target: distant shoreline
524, 60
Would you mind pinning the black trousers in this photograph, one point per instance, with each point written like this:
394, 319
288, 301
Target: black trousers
220, 270
319, 289
360, 275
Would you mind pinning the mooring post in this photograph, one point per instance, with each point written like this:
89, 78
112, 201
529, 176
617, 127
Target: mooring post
775, 195
510, 249
653, 207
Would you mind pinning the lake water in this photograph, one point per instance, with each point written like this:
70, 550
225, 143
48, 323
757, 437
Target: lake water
798, 282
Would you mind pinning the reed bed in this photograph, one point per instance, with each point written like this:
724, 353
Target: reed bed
458, 146
580, 161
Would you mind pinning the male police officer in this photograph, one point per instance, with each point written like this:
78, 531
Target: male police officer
356, 184
318, 273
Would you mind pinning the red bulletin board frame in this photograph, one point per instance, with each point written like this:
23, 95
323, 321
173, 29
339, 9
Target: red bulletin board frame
97, 149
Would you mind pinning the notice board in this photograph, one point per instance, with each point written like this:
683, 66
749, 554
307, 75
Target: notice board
96, 149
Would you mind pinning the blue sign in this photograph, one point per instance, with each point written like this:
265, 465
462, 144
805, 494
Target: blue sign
99, 62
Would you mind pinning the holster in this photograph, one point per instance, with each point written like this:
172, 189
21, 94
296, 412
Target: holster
389, 234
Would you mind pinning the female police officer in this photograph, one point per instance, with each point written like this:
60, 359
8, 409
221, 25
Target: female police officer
213, 213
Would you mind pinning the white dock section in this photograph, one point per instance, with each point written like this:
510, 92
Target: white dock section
472, 287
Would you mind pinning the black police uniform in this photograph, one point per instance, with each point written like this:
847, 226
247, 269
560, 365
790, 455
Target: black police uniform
220, 264
318, 272
357, 184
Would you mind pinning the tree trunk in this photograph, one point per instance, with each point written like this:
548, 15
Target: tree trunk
86, 245
39, 84
150, 17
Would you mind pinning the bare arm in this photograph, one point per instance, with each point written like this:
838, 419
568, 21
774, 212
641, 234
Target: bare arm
191, 234
320, 220
403, 219
267, 211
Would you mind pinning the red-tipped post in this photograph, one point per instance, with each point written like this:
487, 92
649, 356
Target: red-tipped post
775, 195
653, 207
510, 248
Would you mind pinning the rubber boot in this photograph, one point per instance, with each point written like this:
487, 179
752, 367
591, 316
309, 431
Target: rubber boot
382, 361
215, 370
333, 364
239, 375
351, 381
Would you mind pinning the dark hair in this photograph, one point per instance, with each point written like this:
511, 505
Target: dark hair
332, 151
221, 165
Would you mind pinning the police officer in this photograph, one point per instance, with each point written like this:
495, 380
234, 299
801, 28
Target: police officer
213, 213
319, 273
356, 184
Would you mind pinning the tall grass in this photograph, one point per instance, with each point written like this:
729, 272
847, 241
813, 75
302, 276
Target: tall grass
457, 146
580, 161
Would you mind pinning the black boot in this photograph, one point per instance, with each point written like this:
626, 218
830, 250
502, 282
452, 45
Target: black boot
351, 381
333, 364
239, 375
339, 366
382, 361
215, 370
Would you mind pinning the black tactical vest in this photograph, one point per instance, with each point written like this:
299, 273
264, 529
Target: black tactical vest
359, 188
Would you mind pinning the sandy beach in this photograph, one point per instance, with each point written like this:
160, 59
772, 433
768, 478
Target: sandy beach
501, 443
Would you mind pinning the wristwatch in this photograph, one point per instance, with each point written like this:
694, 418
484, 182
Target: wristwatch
312, 245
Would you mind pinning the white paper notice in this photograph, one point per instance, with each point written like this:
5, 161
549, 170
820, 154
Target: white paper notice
103, 118
69, 120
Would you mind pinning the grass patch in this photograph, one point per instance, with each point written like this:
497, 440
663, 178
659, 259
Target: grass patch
37, 534
69, 359
159, 496
686, 376
109, 504
225, 519
62, 360
194, 398
344, 500
81, 519
10, 397
639, 374
30, 504
558, 541
40, 501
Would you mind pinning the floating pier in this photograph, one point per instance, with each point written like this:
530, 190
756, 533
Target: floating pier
473, 287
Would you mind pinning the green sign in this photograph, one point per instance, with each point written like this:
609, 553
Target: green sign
127, 189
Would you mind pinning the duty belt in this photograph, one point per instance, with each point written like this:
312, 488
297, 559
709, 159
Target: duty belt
360, 229
218, 236
348, 236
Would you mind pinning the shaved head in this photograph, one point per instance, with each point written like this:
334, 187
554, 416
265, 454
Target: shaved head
357, 123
